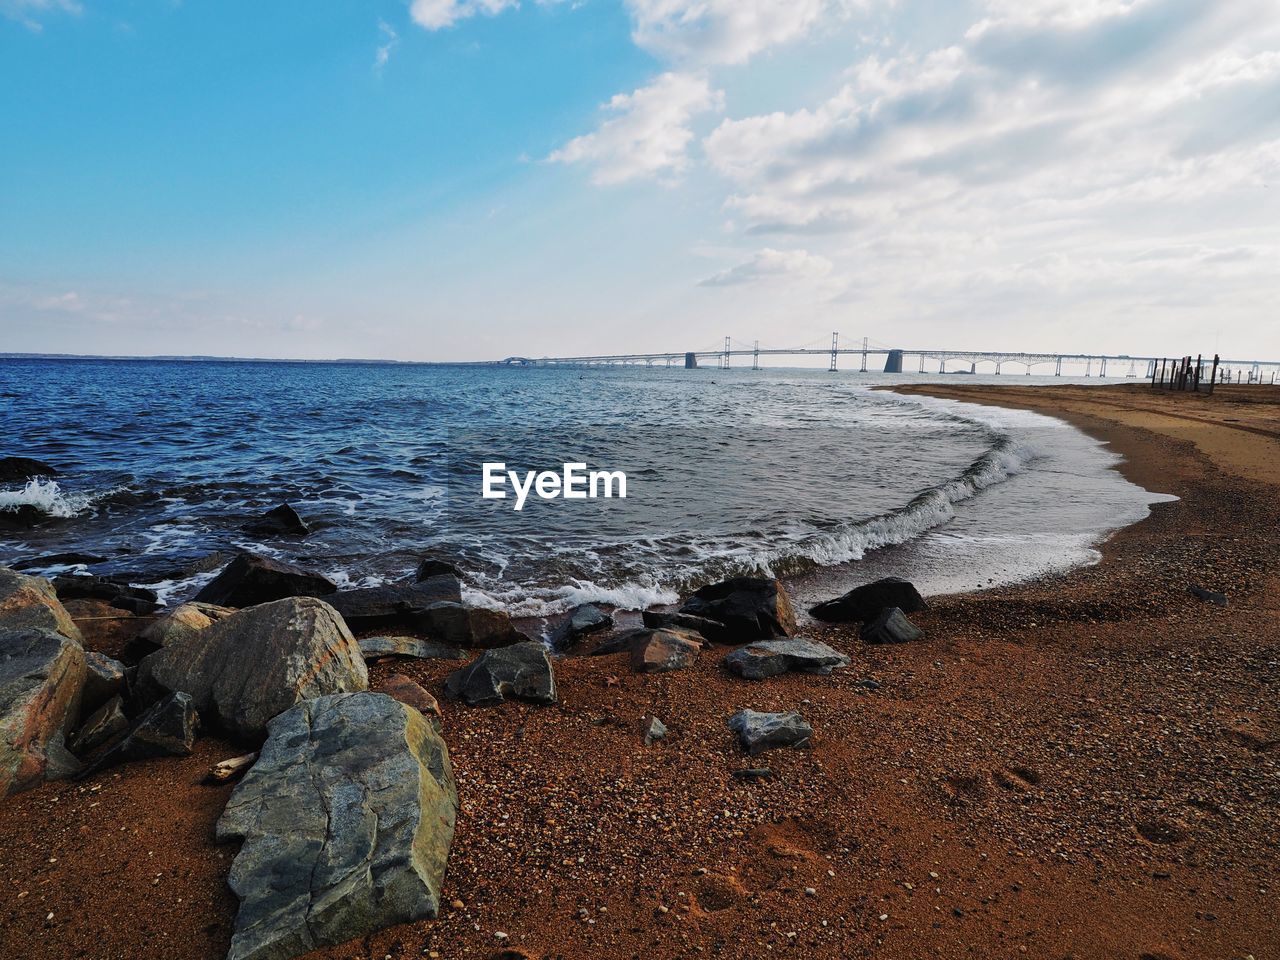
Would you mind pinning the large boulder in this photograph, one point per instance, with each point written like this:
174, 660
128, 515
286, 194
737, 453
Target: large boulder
281, 521
178, 625
31, 602
251, 579
41, 676
22, 469
394, 606
769, 731
582, 621
522, 671
255, 664
345, 821
768, 658
167, 729
751, 608
457, 625
865, 602
117, 593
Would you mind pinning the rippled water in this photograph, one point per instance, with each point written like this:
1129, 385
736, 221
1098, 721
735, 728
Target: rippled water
161, 462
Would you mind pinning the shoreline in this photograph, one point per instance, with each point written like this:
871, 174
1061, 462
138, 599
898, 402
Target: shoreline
1083, 764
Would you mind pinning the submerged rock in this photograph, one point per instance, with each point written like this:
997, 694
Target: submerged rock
768, 658
751, 608
251, 579
257, 663
31, 602
102, 726
374, 648
22, 469
281, 521
429, 567
346, 821
41, 676
891, 626
522, 671
865, 602
581, 622
395, 606
60, 559
758, 732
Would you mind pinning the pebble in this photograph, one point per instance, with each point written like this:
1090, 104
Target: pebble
810, 892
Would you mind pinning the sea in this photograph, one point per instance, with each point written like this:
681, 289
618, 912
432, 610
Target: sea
804, 474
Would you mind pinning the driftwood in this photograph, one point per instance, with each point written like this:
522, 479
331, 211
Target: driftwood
229, 769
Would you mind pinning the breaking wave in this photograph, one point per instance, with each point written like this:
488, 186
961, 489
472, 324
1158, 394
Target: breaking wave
47, 497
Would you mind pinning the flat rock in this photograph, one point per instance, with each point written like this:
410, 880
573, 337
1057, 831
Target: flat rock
167, 729
661, 651
345, 820
22, 469
178, 625
758, 732
865, 602
769, 658
257, 663
59, 560
582, 621
405, 690
394, 606
521, 671
103, 725
251, 579
374, 648
461, 626
281, 521
751, 608
104, 679
890, 626
711, 630
88, 586
1208, 596
27, 601
41, 676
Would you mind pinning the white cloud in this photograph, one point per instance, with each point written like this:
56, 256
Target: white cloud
773, 265
649, 134
723, 31
28, 12
438, 14
390, 40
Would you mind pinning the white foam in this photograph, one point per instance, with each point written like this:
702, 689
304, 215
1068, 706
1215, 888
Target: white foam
47, 497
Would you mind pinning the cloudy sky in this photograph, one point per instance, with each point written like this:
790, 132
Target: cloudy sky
465, 179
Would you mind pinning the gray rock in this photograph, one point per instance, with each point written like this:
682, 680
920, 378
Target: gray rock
31, 602
1208, 596
250, 579
373, 648
41, 676
655, 730
769, 658
711, 630
181, 623
103, 725
891, 626
522, 671
865, 602
429, 567
769, 731
621, 642
581, 622
281, 521
167, 729
117, 593
751, 608
257, 663
394, 606
462, 626
346, 821
662, 651
104, 679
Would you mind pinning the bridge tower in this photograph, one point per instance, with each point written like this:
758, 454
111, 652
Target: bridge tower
1057, 370
724, 358
893, 362
864, 354
755, 357
835, 343
1103, 371
691, 361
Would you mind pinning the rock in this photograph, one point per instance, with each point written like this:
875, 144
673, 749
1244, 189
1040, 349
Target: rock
168, 729
346, 821
475, 627
394, 606
712, 630
103, 725
180, 624
24, 516
522, 671
31, 602
102, 626
653, 731
621, 642
22, 469
661, 651
87, 586
753, 773
257, 663
769, 731
104, 679
59, 560
891, 626
769, 658
1208, 596
250, 579
430, 567
582, 621
751, 608
404, 690
865, 602
281, 521
373, 648
41, 676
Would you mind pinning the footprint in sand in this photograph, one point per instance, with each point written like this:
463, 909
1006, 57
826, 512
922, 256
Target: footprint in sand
1161, 830
1013, 777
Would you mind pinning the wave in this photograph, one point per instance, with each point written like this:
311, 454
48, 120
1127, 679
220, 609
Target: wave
47, 497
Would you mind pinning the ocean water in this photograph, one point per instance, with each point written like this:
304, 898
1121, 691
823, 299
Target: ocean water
800, 473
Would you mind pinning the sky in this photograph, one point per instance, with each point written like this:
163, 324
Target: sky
475, 179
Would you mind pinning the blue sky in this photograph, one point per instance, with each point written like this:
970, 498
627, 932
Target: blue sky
459, 179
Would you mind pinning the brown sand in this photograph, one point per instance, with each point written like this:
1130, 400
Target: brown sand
1081, 767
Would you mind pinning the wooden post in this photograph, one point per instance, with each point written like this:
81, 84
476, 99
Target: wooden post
1197, 372
1213, 376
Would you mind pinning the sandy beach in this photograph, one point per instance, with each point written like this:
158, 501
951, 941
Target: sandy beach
1085, 766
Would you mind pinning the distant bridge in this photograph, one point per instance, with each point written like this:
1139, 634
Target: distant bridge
895, 359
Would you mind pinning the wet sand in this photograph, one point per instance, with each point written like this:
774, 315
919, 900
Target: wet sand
1085, 766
